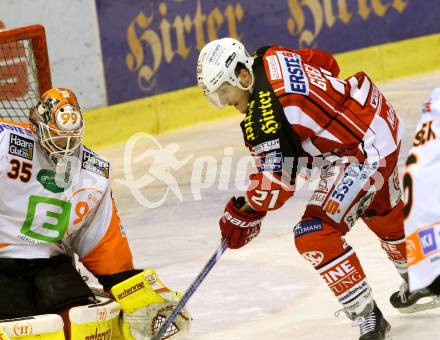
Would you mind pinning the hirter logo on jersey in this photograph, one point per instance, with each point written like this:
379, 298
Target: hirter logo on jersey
95, 164
295, 80
21, 146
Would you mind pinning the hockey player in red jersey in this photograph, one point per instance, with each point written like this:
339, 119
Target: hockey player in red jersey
50, 207
298, 112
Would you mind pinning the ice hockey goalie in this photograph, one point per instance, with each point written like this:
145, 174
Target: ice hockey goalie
56, 198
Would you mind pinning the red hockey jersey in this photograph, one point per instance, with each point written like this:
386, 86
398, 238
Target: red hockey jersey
299, 108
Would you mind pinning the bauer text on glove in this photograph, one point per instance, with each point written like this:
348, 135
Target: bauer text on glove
237, 226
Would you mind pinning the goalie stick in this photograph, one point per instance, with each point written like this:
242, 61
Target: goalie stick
192, 288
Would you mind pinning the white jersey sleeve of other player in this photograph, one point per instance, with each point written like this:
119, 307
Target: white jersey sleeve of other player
39, 218
422, 196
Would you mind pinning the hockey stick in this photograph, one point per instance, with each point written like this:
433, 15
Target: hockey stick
192, 288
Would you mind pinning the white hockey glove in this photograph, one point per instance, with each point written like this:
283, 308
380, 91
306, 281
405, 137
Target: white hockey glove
146, 303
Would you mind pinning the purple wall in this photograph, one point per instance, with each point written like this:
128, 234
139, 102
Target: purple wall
151, 47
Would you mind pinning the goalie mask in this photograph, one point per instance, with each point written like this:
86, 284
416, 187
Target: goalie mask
57, 122
216, 66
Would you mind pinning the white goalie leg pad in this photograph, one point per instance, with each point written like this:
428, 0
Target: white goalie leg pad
95, 321
47, 326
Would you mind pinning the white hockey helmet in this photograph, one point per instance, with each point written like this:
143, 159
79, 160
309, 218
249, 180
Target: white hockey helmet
216, 65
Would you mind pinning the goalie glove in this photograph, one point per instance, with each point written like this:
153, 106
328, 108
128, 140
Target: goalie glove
146, 303
237, 226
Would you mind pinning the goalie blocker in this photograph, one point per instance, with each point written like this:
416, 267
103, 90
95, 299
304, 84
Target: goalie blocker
143, 302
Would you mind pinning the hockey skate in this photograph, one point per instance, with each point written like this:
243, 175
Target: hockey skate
411, 302
371, 323
373, 326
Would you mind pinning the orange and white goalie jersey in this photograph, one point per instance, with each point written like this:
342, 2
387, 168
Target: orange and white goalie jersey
299, 108
422, 196
41, 217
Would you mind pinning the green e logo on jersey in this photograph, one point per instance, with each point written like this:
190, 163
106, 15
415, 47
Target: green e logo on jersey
53, 218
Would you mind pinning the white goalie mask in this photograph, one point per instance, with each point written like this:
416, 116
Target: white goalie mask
216, 65
57, 122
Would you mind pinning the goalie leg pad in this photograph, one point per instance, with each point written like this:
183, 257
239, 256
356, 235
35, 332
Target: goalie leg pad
47, 326
95, 321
